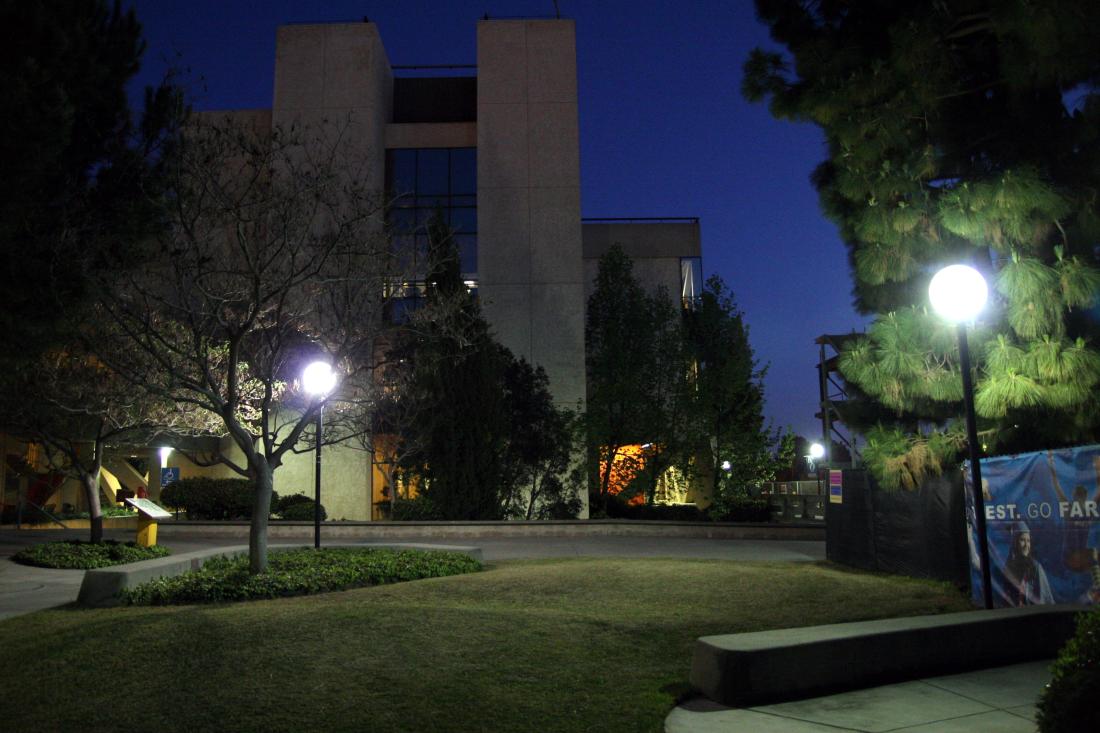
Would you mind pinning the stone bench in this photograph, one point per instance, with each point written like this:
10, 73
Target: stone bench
102, 586
740, 670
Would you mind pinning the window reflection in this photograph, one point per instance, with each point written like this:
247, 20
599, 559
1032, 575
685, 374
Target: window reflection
424, 181
421, 183
691, 281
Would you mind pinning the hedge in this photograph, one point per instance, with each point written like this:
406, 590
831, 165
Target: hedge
297, 507
80, 555
212, 498
1071, 702
299, 572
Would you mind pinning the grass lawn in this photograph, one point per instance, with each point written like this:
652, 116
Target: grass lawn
547, 645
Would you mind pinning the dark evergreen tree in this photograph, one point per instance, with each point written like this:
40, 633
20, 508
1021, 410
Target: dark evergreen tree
621, 348
683, 384
459, 444
958, 131
734, 448
540, 447
81, 184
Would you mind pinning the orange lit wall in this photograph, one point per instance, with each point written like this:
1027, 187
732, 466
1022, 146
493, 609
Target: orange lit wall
628, 462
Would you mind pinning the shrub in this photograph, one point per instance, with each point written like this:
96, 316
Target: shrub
418, 509
741, 508
212, 498
299, 572
616, 508
80, 555
107, 511
1069, 702
297, 507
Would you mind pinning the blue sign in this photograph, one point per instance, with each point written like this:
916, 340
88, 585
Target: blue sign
168, 475
1042, 514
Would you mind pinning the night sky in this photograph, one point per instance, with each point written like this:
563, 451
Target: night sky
664, 132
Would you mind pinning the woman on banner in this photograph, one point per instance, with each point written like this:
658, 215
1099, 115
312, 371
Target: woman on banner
1027, 581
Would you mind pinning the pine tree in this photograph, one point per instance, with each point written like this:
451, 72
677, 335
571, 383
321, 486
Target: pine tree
683, 384
82, 180
958, 131
627, 388
460, 442
727, 402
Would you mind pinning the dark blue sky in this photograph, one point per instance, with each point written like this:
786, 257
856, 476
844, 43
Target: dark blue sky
664, 132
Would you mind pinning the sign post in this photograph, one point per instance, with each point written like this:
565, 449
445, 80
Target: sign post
836, 487
148, 514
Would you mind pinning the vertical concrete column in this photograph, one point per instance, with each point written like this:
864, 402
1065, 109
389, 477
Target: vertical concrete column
335, 81
529, 231
335, 78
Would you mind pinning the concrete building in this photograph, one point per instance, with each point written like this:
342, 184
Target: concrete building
498, 150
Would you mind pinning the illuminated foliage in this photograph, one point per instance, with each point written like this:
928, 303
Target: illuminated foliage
967, 131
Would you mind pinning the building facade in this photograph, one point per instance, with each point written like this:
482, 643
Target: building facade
494, 147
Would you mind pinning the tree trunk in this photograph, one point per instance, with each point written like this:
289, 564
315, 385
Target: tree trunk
261, 512
605, 476
90, 482
90, 479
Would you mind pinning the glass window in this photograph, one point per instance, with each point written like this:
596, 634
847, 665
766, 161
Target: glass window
464, 171
427, 181
691, 281
467, 253
401, 167
464, 220
432, 172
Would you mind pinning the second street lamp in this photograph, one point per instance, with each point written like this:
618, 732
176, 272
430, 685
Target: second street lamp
958, 293
318, 380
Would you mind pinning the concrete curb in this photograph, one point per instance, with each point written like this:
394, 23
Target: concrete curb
771, 666
390, 531
102, 586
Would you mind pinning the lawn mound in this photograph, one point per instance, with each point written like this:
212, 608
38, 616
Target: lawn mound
81, 555
298, 572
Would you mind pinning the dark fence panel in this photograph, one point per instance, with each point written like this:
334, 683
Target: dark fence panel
921, 533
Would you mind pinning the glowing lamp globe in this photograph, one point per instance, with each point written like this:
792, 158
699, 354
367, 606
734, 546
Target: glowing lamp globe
958, 293
318, 378
817, 450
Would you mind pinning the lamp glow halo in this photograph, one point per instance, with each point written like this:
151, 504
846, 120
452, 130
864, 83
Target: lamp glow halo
958, 293
318, 378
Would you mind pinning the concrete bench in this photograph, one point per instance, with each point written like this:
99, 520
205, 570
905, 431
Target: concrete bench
102, 586
770, 666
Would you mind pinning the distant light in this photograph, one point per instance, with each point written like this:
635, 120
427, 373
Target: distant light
318, 378
817, 450
726, 465
164, 453
958, 293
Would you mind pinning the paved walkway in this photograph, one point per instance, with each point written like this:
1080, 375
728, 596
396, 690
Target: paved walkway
25, 589
998, 700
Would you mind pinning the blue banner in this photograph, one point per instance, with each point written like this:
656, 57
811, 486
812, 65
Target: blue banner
1043, 524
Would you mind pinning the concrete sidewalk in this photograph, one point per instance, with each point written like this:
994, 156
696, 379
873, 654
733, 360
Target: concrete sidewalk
998, 700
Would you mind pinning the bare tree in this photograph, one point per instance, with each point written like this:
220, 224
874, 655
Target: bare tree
76, 408
276, 255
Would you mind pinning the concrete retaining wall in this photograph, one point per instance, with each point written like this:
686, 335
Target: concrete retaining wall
786, 664
384, 531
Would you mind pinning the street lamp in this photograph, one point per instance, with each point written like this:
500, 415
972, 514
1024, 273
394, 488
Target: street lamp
318, 380
958, 293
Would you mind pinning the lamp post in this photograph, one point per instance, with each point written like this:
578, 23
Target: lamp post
958, 293
318, 379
